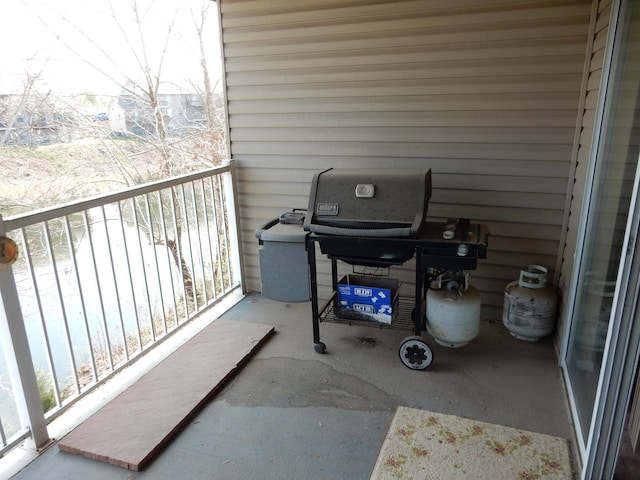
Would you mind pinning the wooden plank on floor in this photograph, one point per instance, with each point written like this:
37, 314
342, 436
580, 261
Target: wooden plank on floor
135, 425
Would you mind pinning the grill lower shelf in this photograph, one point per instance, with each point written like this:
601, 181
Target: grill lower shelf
402, 322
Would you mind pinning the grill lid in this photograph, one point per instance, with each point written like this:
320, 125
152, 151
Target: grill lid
370, 203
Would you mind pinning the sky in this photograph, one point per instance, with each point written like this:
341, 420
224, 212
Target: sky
67, 42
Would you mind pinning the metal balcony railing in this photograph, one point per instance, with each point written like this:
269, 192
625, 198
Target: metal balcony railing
99, 281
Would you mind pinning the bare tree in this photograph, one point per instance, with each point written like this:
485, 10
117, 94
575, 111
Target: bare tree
199, 21
143, 87
12, 113
152, 78
145, 91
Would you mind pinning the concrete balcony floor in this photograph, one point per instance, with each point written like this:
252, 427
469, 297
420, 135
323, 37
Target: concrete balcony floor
294, 414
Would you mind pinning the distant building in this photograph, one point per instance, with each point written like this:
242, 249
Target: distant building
43, 120
182, 113
36, 120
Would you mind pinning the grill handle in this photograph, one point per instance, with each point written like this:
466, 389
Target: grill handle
361, 232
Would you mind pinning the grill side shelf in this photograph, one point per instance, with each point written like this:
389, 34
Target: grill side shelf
402, 322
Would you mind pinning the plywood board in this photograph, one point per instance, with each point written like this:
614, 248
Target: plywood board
135, 425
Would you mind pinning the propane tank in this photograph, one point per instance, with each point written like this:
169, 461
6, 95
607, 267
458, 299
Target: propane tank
453, 310
530, 305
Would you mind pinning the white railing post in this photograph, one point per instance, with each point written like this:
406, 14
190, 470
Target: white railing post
232, 210
15, 345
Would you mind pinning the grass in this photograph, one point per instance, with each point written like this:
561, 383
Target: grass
40, 176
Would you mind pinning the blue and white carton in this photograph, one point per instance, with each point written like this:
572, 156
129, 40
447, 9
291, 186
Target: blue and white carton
367, 297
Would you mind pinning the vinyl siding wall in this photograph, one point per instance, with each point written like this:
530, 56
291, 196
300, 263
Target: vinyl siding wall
486, 94
595, 61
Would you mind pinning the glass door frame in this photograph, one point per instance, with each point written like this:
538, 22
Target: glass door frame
615, 384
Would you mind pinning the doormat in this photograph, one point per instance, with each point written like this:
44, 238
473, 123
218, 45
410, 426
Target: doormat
427, 445
136, 424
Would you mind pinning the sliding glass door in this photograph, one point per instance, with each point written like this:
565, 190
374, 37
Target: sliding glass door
605, 238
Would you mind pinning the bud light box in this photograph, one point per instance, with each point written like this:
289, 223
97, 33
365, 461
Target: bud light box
366, 297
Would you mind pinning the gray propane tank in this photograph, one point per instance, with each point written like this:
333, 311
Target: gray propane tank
530, 305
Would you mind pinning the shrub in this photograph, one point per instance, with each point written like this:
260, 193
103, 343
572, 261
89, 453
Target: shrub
47, 396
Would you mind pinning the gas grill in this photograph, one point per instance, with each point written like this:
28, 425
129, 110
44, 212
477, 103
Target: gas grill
377, 218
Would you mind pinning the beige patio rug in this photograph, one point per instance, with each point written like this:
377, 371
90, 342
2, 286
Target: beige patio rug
427, 445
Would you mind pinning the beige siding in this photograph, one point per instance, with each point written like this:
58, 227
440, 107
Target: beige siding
587, 121
484, 93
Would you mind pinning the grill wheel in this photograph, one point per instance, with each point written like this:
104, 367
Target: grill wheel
415, 353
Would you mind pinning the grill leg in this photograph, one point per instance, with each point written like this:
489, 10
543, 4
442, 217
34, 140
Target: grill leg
417, 308
414, 352
319, 347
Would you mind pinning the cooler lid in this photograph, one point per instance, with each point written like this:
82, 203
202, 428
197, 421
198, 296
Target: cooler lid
281, 232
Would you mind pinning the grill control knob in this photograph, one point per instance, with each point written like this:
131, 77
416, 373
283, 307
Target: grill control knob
463, 250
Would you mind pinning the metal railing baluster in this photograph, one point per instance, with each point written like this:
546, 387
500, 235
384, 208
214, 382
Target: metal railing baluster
178, 254
163, 230
192, 244
126, 259
3, 436
107, 339
63, 309
207, 231
225, 233
154, 254
217, 269
41, 319
123, 337
81, 297
145, 277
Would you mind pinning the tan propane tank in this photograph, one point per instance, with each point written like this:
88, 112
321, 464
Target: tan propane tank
530, 305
